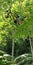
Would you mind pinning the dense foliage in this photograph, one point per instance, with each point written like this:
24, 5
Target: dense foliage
16, 23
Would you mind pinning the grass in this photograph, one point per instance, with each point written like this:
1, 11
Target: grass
25, 59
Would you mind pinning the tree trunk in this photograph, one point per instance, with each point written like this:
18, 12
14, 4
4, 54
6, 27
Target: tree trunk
12, 49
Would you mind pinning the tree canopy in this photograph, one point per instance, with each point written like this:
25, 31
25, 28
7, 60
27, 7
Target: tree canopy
16, 19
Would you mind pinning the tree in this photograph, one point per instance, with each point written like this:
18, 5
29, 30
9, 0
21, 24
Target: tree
15, 16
